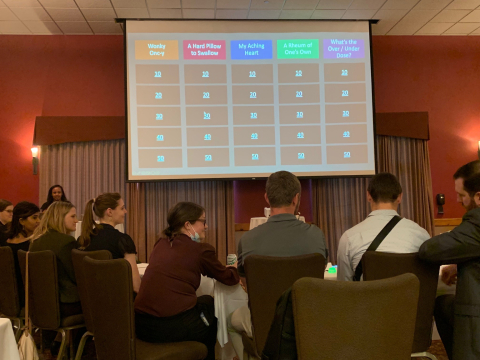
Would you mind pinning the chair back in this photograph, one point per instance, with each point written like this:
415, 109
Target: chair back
43, 288
77, 258
355, 320
110, 294
379, 265
267, 278
9, 300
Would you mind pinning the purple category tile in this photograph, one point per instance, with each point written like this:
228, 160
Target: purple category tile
343, 48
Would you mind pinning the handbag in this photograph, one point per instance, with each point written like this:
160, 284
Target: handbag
27, 348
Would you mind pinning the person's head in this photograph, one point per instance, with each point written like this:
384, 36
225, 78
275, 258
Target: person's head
61, 216
6, 211
463, 176
283, 191
108, 207
56, 193
26, 217
384, 192
186, 218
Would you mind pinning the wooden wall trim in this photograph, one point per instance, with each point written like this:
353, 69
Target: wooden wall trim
242, 227
403, 124
51, 130
447, 222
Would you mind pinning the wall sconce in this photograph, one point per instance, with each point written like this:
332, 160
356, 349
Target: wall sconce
440, 202
35, 160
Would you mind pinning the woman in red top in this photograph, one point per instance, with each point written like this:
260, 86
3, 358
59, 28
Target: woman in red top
167, 308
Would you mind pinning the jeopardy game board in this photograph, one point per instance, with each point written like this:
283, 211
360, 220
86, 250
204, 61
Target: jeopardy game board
237, 103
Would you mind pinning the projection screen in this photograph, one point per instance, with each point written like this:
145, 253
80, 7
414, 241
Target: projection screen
242, 99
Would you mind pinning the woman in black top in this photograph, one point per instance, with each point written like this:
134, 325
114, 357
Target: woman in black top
55, 193
6, 214
110, 209
26, 217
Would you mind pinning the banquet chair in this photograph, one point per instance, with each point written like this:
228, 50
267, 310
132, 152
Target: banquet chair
77, 258
379, 265
355, 320
44, 300
9, 298
267, 278
110, 293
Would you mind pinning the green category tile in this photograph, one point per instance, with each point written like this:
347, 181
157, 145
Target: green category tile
297, 49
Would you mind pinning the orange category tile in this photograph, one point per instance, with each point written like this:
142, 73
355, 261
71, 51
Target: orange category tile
156, 49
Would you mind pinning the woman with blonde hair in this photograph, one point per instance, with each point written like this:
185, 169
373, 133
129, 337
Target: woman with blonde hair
53, 234
110, 209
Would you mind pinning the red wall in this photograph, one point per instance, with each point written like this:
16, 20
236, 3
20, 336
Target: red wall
51, 75
84, 75
440, 75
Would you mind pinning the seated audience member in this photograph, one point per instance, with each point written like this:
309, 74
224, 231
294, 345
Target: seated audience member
6, 214
282, 235
55, 193
384, 194
167, 308
110, 209
57, 222
26, 217
458, 316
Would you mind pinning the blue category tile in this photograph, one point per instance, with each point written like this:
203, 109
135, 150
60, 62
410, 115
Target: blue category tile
251, 49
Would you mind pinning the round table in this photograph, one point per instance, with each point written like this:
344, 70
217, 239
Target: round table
8, 345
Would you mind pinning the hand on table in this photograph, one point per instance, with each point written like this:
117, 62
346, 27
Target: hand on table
448, 274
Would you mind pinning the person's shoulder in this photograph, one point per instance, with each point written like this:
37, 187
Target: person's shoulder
255, 234
412, 225
204, 247
472, 216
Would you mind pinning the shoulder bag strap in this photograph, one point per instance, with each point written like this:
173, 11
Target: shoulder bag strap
376, 243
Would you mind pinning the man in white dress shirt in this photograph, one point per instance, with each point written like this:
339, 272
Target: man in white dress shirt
384, 195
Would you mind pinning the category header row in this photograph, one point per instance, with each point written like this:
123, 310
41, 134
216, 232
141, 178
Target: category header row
249, 49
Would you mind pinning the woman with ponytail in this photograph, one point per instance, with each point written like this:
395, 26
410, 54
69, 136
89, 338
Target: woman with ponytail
167, 308
110, 210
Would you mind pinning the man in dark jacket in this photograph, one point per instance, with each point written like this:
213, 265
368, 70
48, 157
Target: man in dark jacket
458, 317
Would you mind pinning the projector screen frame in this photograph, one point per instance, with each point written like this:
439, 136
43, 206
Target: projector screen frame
124, 21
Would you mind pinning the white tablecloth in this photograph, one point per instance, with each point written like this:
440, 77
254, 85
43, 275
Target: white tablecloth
8, 346
78, 229
256, 221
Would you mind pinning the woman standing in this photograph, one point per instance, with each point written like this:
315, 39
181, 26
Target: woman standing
167, 308
55, 193
110, 209
26, 217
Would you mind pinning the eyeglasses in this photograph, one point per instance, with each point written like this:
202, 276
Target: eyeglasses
203, 220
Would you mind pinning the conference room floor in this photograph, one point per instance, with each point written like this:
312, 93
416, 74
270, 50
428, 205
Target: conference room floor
436, 349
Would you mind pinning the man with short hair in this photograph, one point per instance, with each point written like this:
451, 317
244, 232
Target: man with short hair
384, 194
282, 235
458, 316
